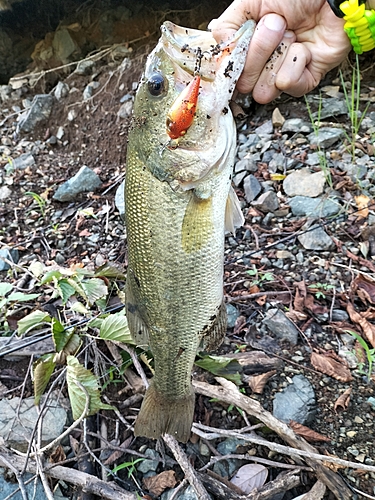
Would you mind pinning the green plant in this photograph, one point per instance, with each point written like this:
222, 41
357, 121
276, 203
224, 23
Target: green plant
370, 353
9, 298
130, 466
352, 100
261, 277
319, 287
321, 154
40, 202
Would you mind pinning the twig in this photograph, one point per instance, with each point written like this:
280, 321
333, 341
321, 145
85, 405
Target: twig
135, 360
251, 458
178, 489
229, 393
248, 296
91, 484
16, 472
187, 468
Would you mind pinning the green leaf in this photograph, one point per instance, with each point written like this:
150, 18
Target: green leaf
49, 276
32, 320
43, 369
111, 270
95, 288
65, 290
115, 327
79, 308
60, 335
5, 288
222, 367
22, 297
77, 372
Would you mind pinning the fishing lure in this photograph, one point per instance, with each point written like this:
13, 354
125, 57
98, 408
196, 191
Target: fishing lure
182, 112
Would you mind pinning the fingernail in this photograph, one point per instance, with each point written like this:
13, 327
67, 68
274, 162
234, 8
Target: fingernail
211, 24
289, 34
274, 22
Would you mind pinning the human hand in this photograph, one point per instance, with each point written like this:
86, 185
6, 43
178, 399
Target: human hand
295, 44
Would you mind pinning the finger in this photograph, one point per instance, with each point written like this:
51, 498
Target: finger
265, 89
267, 37
294, 76
238, 12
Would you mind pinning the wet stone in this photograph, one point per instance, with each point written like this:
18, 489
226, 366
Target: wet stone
296, 402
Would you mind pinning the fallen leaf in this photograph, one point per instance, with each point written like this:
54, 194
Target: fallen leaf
364, 287
113, 457
58, 455
307, 433
367, 327
331, 367
342, 402
159, 483
362, 202
257, 382
296, 315
299, 300
249, 477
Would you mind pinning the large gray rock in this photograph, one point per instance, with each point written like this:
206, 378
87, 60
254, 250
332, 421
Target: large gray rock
18, 419
38, 112
296, 125
316, 207
9, 487
326, 137
267, 202
316, 239
304, 183
296, 402
281, 326
85, 180
331, 107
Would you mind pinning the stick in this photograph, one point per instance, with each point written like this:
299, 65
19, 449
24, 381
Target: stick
88, 483
229, 393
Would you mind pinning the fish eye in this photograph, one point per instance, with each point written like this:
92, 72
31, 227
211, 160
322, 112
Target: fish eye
156, 84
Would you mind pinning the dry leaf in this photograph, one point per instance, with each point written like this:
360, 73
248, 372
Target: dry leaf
307, 433
113, 457
331, 367
362, 202
299, 300
365, 288
159, 483
367, 328
249, 477
295, 315
257, 382
58, 455
342, 402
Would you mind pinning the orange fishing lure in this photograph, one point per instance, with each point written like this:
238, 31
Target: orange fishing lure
181, 115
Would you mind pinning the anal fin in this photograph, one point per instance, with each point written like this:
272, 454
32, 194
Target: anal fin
233, 214
215, 333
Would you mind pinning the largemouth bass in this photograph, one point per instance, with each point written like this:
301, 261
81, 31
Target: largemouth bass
178, 204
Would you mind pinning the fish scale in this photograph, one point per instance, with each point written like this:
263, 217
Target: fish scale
176, 201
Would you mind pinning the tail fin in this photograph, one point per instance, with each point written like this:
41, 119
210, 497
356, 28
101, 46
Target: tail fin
159, 415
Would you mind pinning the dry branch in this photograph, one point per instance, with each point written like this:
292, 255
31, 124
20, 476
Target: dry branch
88, 483
229, 393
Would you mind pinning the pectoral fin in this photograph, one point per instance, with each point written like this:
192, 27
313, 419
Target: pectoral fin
233, 215
197, 226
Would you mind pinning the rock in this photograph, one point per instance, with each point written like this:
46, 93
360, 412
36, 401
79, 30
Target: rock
5, 193
125, 110
9, 254
149, 465
89, 89
5, 92
246, 164
331, 107
340, 315
230, 445
267, 202
302, 182
85, 67
64, 45
72, 114
238, 178
296, 125
265, 128
38, 112
251, 187
296, 402
60, 133
281, 326
277, 118
61, 90
316, 239
326, 137
280, 162
23, 161
7, 488
84, 180
313, 158
120, 198
18, 419
232, 315
52, 140
188, 494
317, 207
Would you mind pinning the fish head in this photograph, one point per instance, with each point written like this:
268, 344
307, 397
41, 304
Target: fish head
181, 56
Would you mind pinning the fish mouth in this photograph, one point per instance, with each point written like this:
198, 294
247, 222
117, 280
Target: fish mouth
197, 52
